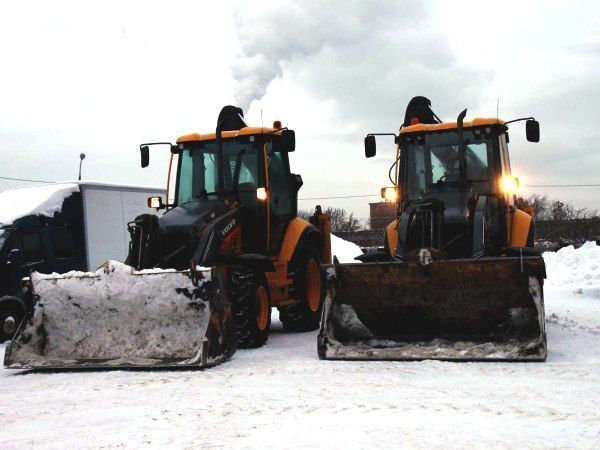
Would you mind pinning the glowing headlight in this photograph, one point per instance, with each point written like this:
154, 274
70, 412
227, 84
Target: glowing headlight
390, 194
263, 194
155, 202
509, 184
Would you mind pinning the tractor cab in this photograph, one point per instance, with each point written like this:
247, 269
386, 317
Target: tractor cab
453, 185
441, 181
249, 169
237, 168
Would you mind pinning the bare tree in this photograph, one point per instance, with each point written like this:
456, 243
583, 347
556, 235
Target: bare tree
540, 205
563, 222
304, 214
341, 220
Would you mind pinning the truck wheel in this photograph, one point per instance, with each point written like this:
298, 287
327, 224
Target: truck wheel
12, 311
307, 291
251, 304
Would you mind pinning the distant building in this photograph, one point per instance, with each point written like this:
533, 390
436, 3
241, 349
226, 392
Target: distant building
381, 214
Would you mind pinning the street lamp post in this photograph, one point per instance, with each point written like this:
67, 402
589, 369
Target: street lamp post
81, 158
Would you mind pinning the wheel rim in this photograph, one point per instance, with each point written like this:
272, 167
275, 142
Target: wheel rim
262, 308
9, 325
313, 285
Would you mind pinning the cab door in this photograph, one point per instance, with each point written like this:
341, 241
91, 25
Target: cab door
30, 243
64, 253
281, 202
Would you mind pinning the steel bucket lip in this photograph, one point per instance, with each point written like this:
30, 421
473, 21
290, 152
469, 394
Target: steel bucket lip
482, 260
92, 365
532, 359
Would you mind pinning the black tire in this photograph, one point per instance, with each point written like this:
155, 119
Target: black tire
244, 289
300, 316
10, 308
531, 236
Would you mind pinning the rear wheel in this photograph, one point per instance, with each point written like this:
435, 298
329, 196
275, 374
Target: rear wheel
251, 306
307, 291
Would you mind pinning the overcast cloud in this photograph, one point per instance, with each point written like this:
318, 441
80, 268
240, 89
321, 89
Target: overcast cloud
102, 79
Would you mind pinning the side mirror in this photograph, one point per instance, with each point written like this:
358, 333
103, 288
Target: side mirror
145, 154
286, 142
532, 130
296, 182
15, 259
156, 202
370, 146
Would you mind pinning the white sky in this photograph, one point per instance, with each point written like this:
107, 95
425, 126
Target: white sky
102, 77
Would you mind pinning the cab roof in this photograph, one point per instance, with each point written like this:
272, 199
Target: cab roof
421, 127
246, 131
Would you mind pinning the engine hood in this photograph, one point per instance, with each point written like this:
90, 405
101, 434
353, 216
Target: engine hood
192, 215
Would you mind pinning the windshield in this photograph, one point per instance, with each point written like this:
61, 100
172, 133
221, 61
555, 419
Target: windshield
434, 164
3, 238
198, 174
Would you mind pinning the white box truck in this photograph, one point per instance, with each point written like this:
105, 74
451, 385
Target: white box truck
62, 227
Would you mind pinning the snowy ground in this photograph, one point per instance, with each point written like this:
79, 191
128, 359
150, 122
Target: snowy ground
282, 395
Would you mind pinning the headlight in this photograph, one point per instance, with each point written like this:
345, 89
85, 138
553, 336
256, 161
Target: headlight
263, 193
390, 194
509, 184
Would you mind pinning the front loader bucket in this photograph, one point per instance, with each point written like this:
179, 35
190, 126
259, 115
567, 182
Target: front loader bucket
481, 309
117, 317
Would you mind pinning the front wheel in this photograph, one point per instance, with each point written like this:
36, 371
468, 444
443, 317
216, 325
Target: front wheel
251, 305
307, 291
12, 312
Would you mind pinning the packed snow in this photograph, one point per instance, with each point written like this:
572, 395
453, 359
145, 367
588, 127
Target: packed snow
282, 395
345, 251
42, 200
575, 269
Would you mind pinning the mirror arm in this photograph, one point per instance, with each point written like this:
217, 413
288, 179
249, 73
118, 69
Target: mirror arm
278, 130
385, 134
158, 143
148, 144
518, 120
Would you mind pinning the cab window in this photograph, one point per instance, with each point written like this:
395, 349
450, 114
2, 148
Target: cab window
30, 245
62, 243
281, 200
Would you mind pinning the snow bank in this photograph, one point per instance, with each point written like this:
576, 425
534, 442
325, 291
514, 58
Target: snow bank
36, 200
576, 269
344, 250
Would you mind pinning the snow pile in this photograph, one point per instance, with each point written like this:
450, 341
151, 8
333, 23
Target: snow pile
344, 250
114, 313
36, 200
575, 269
